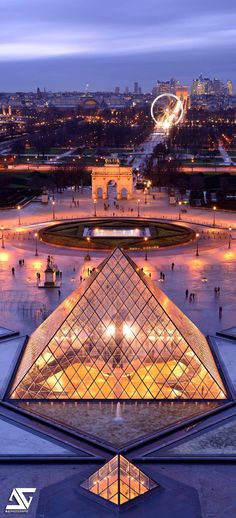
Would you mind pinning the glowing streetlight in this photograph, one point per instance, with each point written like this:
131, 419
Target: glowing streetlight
214, 215
180, 204
197, 247
19, 220
229, 246
192, 160
3, 245
95, 207
146, 239
53, 210
36, 243
88, 241
138, 208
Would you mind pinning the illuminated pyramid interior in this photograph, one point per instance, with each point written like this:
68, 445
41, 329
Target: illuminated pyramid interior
117, 336
119, 481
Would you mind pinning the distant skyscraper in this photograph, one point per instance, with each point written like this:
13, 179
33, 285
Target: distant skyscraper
117, 90
136, 87
207, 86
230, 88
126, 90
198, 86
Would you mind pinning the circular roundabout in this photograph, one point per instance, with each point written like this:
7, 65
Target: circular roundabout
108, 233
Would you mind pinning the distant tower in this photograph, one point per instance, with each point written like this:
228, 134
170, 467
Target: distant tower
9, 110
230, 88
136, 88
117, 90
3, 110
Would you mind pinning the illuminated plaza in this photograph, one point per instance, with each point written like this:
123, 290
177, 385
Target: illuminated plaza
118, 367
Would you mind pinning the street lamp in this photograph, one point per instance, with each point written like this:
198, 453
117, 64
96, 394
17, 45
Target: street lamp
197, 247
95, 207
145, 239
3, 245
145, 192
138, 208
180, 203
36, 243
18, 208
229, 246
192, 163
214, 216
53, 210
88, 241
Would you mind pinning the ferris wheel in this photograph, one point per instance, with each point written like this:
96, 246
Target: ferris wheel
167, 110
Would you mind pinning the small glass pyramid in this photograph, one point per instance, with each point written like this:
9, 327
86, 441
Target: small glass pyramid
119, 481
117, 336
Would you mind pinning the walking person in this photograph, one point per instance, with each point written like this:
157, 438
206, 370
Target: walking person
220, 311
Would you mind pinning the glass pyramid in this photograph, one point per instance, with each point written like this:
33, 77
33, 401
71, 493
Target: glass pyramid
119, 481
117, 336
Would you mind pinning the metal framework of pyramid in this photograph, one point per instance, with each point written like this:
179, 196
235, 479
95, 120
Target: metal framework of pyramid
119, 481
117, 336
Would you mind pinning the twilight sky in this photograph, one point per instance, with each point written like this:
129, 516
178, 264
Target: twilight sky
64, 44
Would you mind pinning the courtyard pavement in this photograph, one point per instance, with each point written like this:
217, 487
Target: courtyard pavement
23, 306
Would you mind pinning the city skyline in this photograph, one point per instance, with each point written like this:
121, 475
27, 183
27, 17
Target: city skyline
64, 46
136, 87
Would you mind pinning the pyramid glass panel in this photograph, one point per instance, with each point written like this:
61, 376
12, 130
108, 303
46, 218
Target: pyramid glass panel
119, 481
132, 345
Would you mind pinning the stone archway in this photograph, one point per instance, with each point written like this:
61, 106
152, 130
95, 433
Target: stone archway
124, 193
99, 192
122, 176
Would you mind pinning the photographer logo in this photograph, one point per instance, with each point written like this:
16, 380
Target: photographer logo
21, 503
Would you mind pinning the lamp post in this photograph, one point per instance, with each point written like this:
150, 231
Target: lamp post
95, 207
138, 208
53, 210
146, 239
36, 243
19, 220
88, 241
145, 192
229, 245
214, 215
192, 160
197, 247
3, 244
180, 204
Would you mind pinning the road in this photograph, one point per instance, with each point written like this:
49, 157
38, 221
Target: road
145, 150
